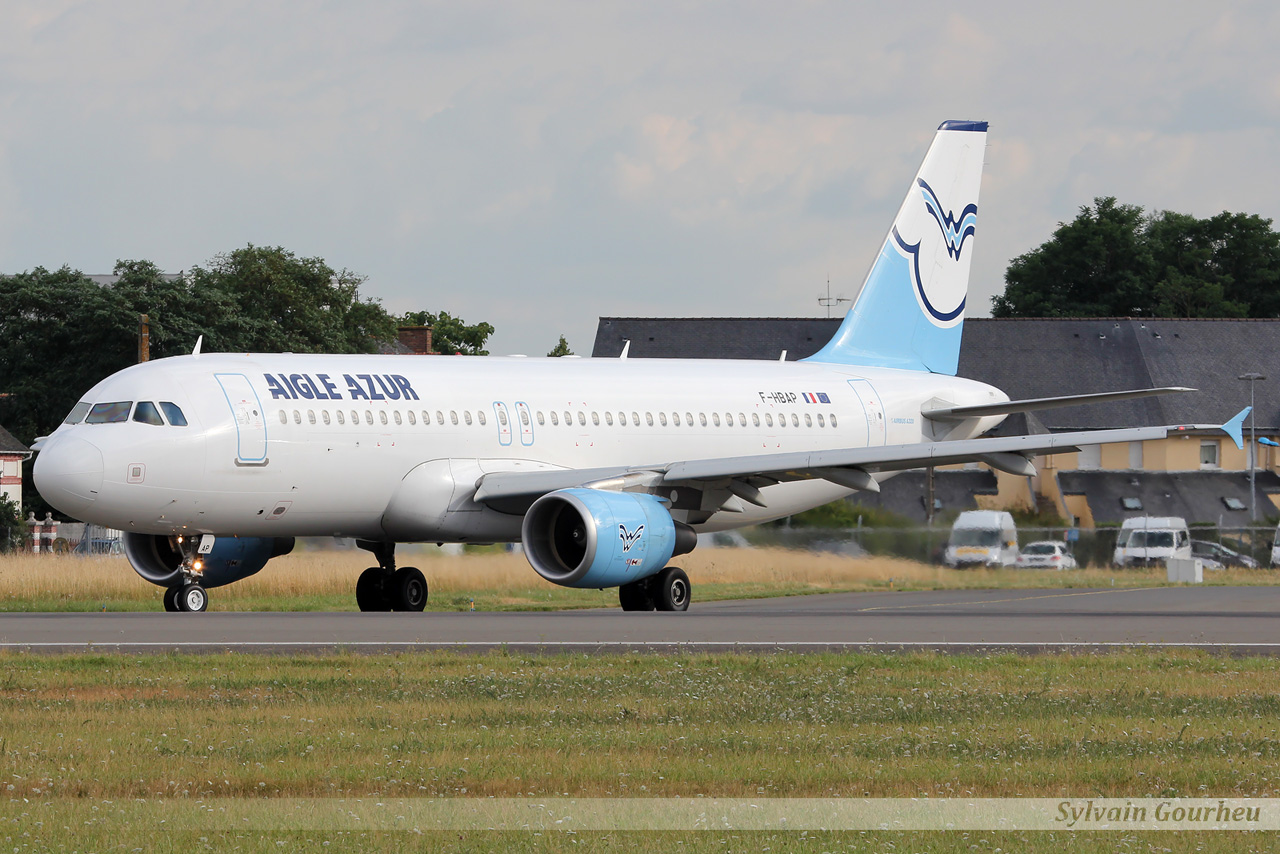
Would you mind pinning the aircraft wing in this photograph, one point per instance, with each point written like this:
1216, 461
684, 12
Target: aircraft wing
847, 466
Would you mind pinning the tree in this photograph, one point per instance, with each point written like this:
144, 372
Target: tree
1095, 266
561, 349
451, 335
1114, 260
12, 528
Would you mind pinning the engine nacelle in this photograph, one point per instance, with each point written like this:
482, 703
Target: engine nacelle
232, 558
591, 538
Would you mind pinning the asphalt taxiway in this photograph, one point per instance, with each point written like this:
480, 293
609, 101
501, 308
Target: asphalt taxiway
1236, 620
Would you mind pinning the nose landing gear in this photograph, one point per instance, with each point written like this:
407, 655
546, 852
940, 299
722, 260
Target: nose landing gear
187, 594
385, 588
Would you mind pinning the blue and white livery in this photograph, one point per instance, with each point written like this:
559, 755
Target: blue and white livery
213, 463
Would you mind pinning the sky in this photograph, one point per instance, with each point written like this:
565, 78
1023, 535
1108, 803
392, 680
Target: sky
540, 165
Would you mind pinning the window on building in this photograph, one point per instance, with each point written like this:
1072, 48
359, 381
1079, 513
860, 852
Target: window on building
1233, 503
1131, 503
1090, 458
1209, 454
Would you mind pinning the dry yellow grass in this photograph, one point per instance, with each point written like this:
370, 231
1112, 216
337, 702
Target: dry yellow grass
325, 579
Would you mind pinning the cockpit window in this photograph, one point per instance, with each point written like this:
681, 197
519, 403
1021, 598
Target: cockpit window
173, 413
109, 413
146, 413
77, 412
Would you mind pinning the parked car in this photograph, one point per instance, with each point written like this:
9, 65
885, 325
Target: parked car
1047, 554
1151, 541
1216, 556
982, 537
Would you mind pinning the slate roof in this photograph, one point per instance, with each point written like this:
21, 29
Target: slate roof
1196, 496
905, 493
10, 445
1028, 358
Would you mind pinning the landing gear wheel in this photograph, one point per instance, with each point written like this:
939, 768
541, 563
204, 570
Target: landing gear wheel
408, 589
369, 587
670, 590
635, 596
192, 597
171, 599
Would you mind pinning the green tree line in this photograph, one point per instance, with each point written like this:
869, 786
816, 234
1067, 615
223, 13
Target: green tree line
1116, 260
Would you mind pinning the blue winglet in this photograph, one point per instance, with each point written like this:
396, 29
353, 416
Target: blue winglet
1263, 440
1235, 427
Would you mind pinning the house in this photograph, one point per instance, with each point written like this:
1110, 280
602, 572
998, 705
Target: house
1199, 474
12, 455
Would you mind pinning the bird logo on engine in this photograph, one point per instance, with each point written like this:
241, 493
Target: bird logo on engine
629, 538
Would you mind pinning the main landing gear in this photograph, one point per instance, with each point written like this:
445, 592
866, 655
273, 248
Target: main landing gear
668, 590
385, 588
187, 594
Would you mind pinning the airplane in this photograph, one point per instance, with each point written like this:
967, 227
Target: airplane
605, 469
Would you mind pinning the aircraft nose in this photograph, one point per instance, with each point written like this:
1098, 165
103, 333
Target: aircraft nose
69, 475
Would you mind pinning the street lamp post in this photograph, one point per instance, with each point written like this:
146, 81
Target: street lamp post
1252, 377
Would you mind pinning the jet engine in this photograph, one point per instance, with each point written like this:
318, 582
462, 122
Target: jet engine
157, 559
591, 538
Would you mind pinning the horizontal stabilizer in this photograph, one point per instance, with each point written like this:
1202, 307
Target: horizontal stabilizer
1235, 427
959, 413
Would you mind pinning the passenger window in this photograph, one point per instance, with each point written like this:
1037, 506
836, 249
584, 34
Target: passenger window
662, 419
541, 421
755, 419
782, 420
382, 415
715, 419
173, 414
311, 416
524, 417
608, 418
453, 416
822, 422
688, 418
595, 418
466, 416
109, 413
648, 418
341, 418
284, 418
555, 421
728, 419
808, 420
77, 413
635, 419
622, 419
675, 419
413, 419
146, 413
355, 418
768, 419
742, 420
833, 419
297, 417
396, 416
324, 416
502, 417
480, 415
426, 418
582, 419
702, 418
368, 416
795, 420
440, 418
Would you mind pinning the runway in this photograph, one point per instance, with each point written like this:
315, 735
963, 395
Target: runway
1235, 620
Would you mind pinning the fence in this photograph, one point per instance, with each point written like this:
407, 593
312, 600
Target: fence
1091, 547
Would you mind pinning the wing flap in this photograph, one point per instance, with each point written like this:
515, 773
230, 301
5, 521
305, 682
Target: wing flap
1008, 407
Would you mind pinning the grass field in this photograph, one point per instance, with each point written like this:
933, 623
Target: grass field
325, 580
97, 751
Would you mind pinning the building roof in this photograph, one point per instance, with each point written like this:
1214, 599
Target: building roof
1197, 496
1027, 358
904, 494
10, 445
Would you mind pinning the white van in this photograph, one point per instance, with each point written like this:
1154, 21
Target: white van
986, 537
1151, 541
1275, 548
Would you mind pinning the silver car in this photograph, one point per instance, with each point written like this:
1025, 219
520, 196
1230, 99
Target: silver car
1047, 554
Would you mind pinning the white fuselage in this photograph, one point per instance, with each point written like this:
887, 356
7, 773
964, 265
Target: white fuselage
311, 445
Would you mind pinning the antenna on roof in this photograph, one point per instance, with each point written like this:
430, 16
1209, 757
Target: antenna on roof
828, 300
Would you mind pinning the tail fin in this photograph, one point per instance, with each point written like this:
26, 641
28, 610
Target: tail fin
911, 308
